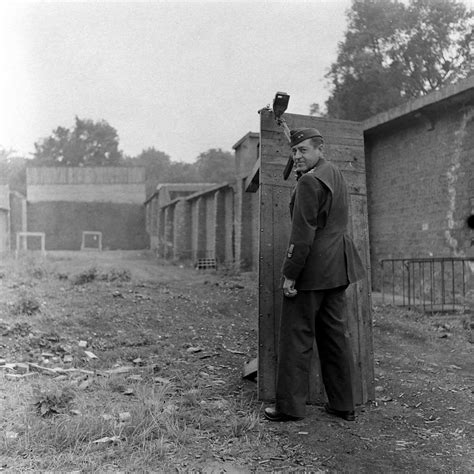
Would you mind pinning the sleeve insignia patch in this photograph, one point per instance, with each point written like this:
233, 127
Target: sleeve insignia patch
290, 250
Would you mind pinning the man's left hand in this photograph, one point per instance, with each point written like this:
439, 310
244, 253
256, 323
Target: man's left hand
289, 289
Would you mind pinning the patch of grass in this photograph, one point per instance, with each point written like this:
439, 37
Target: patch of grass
117, 274
38, 272
26, 304
103, 428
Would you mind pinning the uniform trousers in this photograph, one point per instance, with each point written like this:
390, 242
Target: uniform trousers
321, 315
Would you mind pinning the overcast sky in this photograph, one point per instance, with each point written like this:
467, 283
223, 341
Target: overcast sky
180, 77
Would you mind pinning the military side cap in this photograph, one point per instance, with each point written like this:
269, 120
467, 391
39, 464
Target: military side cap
299, 135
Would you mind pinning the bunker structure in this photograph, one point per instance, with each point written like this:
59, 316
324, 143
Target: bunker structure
209, 224
155, 219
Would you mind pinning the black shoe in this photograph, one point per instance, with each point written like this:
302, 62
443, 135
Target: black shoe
273, 415
346, 415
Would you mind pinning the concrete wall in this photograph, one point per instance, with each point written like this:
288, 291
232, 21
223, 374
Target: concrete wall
246, 154
420, 177
65, 201
182, 235
122, 225
246, 227
117, 193
18, 219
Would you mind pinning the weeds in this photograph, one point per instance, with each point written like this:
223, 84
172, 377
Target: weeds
86, 276
26, 304
132, 422
116, 274
49, 403
113, 275
38, 272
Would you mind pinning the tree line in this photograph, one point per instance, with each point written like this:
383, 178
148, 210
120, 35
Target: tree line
91, 143
392, 52
396, 51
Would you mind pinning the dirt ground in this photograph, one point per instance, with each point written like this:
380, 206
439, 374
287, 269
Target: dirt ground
203, 324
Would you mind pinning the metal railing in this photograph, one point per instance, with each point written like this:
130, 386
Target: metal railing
431, 284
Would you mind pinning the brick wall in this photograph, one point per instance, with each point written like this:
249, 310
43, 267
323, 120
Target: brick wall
221, 234
182, 232
210, 205
164, 194
229, 227
420, 181
169, 232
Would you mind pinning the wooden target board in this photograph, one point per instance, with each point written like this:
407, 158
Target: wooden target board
344, 146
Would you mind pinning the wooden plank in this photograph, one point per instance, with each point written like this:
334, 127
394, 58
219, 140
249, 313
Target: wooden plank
250, 369
339, 128
266, 328
360, 229
44, 175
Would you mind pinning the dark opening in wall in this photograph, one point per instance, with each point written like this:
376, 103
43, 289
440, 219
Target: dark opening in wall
470, 221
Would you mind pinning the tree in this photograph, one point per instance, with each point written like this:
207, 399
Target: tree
393, 52
88, 144
216, 166
160, 169
157, 165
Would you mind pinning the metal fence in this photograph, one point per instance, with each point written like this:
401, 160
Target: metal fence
430, 284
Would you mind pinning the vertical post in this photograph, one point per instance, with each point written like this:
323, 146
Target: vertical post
422, 280
383, 282
393, 282
443, 300
403, 282
452, 281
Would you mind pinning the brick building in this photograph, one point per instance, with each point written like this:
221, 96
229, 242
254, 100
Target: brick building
198, 226
420, 177
164, 194
193, 221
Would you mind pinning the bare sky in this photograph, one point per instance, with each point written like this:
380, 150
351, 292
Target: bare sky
180, 77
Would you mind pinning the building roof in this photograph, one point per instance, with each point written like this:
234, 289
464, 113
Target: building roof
179, 187
198, 194
247, 135
460, 93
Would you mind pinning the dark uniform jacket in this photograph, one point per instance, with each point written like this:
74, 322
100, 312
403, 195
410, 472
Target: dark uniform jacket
321, 254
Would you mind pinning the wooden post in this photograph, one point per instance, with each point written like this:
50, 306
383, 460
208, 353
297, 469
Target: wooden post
19, 235
96, 236
344, 146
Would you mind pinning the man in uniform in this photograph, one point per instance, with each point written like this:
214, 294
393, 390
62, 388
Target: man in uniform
320, 264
